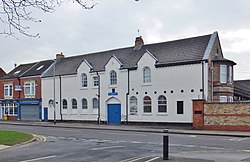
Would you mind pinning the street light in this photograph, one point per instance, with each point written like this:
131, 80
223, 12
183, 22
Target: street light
54, 82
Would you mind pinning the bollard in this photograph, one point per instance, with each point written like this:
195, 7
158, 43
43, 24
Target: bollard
165, 145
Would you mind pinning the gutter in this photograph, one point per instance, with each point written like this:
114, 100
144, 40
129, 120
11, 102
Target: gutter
127, 94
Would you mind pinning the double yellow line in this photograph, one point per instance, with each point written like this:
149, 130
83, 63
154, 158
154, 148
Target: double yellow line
39, 138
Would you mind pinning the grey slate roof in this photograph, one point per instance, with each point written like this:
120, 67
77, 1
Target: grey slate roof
42, 65
18, 71
30, 69
167, 53
242, 87
219, 58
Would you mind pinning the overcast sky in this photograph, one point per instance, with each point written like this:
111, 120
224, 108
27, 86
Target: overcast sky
114, 24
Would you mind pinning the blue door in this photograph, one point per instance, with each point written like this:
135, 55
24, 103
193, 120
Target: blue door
45, 114
114, 113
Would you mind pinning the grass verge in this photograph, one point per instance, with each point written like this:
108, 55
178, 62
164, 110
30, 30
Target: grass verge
11, 138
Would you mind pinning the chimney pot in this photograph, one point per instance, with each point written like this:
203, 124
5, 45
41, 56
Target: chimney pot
59, 56
138, 43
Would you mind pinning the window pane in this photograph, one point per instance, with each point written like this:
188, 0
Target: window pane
146, 75
147, 104
113, 78
133, 105
84, 80
179, 107
74, 104
96, 80
84, 104
162, 104
223, 73
65, 104
95, 103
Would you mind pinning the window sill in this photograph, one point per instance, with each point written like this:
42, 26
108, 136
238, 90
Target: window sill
162, 114
147, 84
147, 114
83, 88
113, 86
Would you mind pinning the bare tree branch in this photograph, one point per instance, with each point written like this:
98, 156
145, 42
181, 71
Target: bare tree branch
15, 13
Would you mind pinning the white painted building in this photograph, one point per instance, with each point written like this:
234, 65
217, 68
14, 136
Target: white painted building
143, 83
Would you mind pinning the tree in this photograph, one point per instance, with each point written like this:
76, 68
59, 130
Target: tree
16, 13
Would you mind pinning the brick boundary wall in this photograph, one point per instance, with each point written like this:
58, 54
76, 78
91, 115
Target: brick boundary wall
233, 116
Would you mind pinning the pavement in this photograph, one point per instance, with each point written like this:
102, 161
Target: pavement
137, 128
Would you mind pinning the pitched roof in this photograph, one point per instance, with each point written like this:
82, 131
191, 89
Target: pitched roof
18, 71
30, 69
219, 58
167, 53
242, 87
2, 72
38, 68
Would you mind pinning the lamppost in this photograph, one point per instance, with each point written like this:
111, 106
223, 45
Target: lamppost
54, 82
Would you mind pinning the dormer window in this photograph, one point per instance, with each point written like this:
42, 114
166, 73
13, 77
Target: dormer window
40, 67
17, 72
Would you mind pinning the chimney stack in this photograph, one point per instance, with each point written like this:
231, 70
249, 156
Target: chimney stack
138, 43
59, 56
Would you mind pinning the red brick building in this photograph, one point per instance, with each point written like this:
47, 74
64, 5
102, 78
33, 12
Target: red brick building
20, 91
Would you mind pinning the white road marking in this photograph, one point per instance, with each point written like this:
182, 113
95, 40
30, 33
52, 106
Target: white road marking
237, 139
135, 142
104, 148
41, 158
193, 136
139, 158
152, 159
123, 134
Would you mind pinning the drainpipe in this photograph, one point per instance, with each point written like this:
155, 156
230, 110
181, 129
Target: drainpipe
127, 94
60, 91
203, 93
212, 97
98, 95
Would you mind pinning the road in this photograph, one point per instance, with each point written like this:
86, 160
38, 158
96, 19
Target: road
69, 144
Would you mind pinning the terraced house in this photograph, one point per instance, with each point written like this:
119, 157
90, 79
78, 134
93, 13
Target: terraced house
20, 91
141, 83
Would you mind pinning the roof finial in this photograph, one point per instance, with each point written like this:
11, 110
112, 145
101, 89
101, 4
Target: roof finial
138, 32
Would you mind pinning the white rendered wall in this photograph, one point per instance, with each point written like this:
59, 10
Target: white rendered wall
176, 78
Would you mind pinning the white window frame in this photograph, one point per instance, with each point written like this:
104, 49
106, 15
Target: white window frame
9, 108
113, 77
146, 75
84, 79
95, 103
65, 104
223, 98
29, 89
133, 105
96, 81
162, 103
74, 105
84, 104
147, 103
223, 73
230, 74
8, 90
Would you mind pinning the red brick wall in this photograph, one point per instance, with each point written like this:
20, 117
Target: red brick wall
234, 116
20, 94
38, 85
198, 114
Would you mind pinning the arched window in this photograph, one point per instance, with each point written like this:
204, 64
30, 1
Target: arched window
51, 103
133, 105
162, 104
65, 104
147, 107
74, 104
113, 78
95, 103
146, 75
84, 80
84, 103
